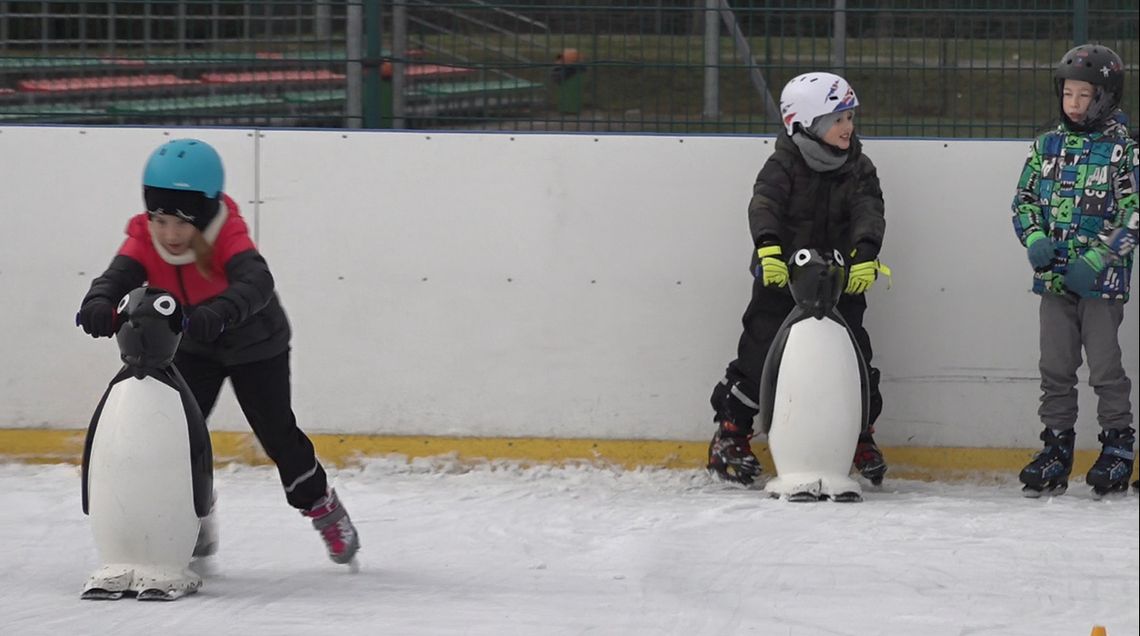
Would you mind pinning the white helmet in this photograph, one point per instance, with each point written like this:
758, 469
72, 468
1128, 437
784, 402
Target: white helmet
811, 95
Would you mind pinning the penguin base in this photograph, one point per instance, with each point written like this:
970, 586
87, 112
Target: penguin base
814, 487
145, 582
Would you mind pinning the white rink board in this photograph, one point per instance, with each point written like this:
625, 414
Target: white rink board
531, 285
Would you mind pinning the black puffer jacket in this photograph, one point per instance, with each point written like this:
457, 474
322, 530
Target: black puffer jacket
256, 325
798, 207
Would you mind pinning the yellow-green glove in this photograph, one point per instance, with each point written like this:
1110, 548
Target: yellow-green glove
861, 277
773, 269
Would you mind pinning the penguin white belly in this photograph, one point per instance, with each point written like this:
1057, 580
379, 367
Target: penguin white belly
817, 413
140, 491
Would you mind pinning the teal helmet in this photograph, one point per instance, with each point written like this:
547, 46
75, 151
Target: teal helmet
189, 165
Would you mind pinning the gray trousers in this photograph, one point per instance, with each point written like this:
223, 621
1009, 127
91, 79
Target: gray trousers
1067, 324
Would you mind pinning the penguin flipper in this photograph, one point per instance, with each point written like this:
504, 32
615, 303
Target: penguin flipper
771, 373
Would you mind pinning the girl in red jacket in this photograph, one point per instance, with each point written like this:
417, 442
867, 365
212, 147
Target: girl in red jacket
193, 242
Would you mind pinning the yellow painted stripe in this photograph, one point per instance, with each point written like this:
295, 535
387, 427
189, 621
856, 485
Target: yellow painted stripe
54, 446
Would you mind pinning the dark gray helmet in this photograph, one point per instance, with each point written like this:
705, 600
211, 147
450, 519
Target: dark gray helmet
1100, 66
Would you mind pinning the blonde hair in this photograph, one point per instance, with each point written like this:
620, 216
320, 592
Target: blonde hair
203, 254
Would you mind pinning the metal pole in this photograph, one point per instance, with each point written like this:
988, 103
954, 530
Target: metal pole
322, 15
839, 37
82, 29
148, 15
181, 28
354, 51
771, 110
111, 37
1080, 22
45, 21
3, 26
399, 49
372, 28
712, 60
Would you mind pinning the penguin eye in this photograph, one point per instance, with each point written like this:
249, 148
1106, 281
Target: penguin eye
123, 304
164, 305
838, 257
802, 257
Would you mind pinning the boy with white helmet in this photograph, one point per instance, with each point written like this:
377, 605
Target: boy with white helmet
817, 190
1075, 211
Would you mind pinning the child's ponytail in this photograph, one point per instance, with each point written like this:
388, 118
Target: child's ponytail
203, 255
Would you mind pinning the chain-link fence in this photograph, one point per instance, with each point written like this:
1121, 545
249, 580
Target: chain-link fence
921, 67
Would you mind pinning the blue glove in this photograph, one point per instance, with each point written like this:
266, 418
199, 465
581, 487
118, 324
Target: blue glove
205, 324
1083, 272
1041, 251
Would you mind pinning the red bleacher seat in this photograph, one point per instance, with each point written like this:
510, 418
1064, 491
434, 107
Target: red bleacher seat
261, 77
426, 71
64, 84
123, 61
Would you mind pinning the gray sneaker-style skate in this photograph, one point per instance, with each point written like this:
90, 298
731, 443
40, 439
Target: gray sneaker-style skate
331, 520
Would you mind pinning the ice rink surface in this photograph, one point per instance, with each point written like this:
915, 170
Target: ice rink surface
501, 549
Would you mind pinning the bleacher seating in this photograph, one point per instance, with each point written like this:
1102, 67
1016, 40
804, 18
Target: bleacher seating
221, 86
64, 84
275, 77
192, 104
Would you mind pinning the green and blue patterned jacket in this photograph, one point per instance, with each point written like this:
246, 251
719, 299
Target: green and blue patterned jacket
1080, 189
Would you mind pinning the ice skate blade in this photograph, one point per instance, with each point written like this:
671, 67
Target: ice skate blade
1030, 492
732, 479
875, 478
353, 566
1118, 492
804, 497
848, 497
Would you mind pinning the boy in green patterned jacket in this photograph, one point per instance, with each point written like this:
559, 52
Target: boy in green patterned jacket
1075, 212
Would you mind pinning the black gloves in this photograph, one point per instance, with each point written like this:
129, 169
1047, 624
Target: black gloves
205, 324
97, 317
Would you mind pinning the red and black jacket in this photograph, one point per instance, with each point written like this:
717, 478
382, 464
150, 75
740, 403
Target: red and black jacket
240, 288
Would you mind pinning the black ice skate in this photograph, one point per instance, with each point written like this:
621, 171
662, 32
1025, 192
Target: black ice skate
1112, 469
869, 459
1048, 473
730, 454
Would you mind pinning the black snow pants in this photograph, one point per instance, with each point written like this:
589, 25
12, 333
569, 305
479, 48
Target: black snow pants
263, 391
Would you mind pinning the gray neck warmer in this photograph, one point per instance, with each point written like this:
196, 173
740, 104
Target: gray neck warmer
818, 155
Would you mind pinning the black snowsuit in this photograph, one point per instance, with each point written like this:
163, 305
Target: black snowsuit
796, 207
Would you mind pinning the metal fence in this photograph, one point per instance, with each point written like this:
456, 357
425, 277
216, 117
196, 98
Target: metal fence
921, 67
